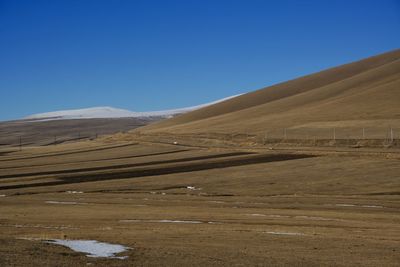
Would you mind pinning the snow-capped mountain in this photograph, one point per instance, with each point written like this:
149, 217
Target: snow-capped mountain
110, 112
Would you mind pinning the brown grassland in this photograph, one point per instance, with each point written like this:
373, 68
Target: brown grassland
278, 177
253, 206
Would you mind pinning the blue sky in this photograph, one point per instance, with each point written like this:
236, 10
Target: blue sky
151, 55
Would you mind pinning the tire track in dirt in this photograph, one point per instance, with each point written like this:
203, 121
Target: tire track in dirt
177, 168
69, 152
120, 166
99, 160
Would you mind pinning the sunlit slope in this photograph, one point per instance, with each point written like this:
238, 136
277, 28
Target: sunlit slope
365, 93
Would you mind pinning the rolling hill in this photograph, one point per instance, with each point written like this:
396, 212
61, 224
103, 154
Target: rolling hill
113, 113
72, 125
359, 95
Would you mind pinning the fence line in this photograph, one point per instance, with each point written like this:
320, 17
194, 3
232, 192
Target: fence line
314, 136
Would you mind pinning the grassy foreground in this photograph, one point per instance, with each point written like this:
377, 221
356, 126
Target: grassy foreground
181, 205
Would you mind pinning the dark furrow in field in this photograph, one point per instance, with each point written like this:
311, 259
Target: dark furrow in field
120, 166
70, 152
3, 153
52, 143
181, 168
98, 160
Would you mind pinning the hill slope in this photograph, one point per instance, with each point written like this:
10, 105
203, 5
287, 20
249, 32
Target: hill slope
361, 94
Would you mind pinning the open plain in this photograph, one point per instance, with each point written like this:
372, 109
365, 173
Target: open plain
186, 204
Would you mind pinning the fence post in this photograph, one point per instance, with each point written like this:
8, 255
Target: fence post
391, 134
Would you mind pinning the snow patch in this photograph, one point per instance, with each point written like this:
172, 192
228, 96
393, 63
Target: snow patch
296, 217
74, 192
284, 233
192, 188
278, 216
92, 248
110, 112
65, 202
314, 218
177, 221
163, 221
372, 206
61, 227
256, 214
363, 206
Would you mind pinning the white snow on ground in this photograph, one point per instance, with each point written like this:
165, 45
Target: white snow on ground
303, 217
161, 221
363, 206
278, 216
315, 218
372, 206
283, 233
110, 112
192, 188
92, 248
177, 221
65, 202
74, 192
41, 226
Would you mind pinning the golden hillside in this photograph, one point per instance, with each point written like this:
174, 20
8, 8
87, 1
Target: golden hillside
362, 94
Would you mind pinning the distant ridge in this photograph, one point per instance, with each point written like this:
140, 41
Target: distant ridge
110, 112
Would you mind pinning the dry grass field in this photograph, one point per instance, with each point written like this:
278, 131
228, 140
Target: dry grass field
179, 205
304, 173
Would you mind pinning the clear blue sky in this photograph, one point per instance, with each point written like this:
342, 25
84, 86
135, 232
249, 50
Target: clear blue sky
150, 55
